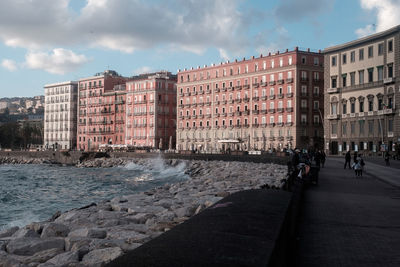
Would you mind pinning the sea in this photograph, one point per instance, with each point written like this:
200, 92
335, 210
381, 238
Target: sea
32, 193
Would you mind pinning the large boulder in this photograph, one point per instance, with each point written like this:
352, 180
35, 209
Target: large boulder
24, 232
99, 257
64, 259
88, 232
55, 230
8, 232
27, 246
43, 256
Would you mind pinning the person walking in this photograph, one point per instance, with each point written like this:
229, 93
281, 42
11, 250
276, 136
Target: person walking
387, 157
357, 168
355, 157
323, 158
317, 159
362, 163
347, 158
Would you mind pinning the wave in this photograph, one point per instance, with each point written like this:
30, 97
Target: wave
23, 219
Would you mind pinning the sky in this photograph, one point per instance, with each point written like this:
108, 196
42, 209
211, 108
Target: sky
50, 41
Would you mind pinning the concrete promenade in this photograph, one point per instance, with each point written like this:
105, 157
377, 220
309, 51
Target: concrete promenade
349, 221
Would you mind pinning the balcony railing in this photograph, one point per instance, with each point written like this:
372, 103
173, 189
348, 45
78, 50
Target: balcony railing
289, 80
333, 90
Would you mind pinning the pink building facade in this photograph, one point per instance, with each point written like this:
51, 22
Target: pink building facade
101, 110
271, 102
151, 111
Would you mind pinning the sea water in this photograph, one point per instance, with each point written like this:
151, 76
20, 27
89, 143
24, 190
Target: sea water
31, 193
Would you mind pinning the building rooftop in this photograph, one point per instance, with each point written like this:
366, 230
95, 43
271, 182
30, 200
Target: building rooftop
362, 40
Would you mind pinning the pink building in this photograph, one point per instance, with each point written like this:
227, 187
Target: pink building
151, 111
101, 110
270, 102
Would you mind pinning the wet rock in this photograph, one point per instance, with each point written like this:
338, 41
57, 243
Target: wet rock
28, 245
101, 256
25, 232
64, 259
8, 232
88, 232
55, 230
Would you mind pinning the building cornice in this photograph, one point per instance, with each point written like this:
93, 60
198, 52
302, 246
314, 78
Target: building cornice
363, 40
61, 84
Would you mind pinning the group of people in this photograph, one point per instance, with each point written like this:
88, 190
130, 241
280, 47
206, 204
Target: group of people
358, 163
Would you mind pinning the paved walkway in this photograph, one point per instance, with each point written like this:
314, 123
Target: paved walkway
349, 221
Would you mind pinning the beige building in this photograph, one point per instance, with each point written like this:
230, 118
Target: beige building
60, 115
362, 94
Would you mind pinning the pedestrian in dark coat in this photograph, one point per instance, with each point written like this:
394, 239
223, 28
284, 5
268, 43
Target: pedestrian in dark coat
347, 158
323, 158
387, 157
355, 157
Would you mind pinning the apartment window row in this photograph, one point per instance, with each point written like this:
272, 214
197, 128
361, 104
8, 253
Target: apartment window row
369, 75
370, 53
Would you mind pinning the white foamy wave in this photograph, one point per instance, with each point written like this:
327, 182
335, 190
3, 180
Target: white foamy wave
23, 219
133, 166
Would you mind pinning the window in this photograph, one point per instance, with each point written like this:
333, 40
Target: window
344, 80
371, 127
344, 128
380, 49
370, 105
303, 60
352, 78
361, 54
316, 105
390, 70
289, 118
281, 62
303, 103
334, 61
361, 125
390, 125
361, 76
352, 56
352, 107
352, 127
290, 60
334, 108
390, 46
370, 51
380, 73
316, 91
316, 61
344, 58
361, 107
380, 104
334, 82
370, 75
344, 108
390, 102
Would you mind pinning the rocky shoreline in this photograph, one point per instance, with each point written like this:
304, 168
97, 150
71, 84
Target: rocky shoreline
96, 234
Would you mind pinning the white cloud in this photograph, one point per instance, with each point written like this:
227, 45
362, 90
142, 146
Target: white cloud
142, 70
387, 15
296, 10
124, 25
223, 54
60, 61
9, 64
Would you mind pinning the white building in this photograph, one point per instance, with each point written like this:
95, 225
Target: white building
60, 115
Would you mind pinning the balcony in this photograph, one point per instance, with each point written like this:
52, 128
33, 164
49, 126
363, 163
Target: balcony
272, 83
223, 89
238, 113
289, 80
333, 117
238, 100
281, 96
280, 81
223, 114
289, 95
388, 111
271, 97
255, 85
333, 90
187, 94
388, 80
201, 92
208, 103
263, 125
263, 84
289, 137
230, 101
263, 98
271, 138
289, 109
255, 111
271, 110
223, 102
246, 99
304, 79
194, 93
208, 116
289, 124
238, 87
231, 88
256, 98
263, 111
280, 110
216, 90
208, 91
255, 125
246, 86
246, 112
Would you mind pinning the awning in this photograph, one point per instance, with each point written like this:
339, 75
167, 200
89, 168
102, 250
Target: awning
230, 141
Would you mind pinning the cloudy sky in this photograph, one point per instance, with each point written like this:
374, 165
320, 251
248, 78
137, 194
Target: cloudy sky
48, 41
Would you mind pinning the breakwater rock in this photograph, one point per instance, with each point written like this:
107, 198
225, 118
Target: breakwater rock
24, 160
98, 233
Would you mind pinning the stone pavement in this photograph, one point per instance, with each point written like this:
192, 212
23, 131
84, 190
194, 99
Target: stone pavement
349, 221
